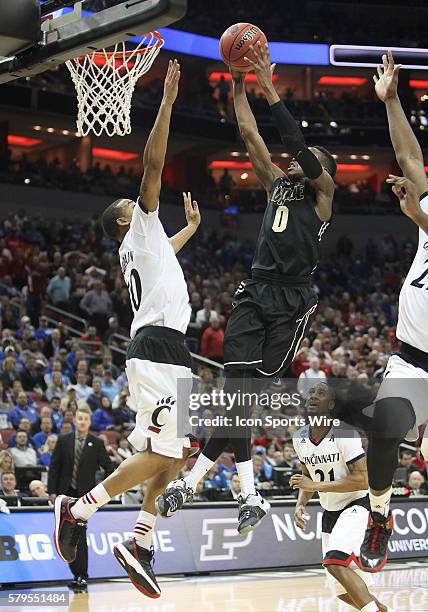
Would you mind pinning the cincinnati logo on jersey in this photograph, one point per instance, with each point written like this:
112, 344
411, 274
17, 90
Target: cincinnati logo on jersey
318, 459
166, 403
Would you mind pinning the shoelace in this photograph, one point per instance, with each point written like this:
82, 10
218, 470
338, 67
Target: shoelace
379, 534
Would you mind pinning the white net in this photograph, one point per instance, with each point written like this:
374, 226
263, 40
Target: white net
105, 82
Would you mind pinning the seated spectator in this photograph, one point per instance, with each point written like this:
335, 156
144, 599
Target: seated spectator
43, 331
56, 412
309, 377
206, 315
260, 478
199, 493
56, 387
45, 412
47, 450
54, 343
37, 489
66, 427
123, 416
46, 427
417, 484
212, 341
6, 462
32, 376
419, 463
68, 416
406, 458
270, 455
24, 425
215, 479
288, 461
23, 454
83, 390
102, 418
115, 458
8, 485
124, 448
109, 387
57, 366
5, 409
10, 372
94, 400
92, 341
234, 491
23, 409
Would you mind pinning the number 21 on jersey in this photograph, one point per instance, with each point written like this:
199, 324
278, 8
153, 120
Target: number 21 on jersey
281, 219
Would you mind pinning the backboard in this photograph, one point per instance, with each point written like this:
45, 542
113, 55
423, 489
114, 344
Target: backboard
73, 28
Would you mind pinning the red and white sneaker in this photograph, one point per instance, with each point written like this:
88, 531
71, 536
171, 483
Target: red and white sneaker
374, 549
137, 562
69, 531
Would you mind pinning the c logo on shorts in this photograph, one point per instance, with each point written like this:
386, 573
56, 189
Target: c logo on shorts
166, 403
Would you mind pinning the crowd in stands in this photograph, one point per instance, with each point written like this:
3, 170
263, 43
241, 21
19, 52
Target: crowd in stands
48, 370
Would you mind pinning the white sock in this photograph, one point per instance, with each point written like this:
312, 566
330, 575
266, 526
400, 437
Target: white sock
198, 471
370, 607
143, 530
246, 477
380, 503
85, 507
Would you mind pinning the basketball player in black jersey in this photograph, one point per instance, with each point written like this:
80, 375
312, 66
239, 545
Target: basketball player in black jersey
273, 308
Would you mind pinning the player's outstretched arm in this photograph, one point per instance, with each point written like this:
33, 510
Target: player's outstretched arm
409, 196
406, 146
259, 154
155, 151
193, 218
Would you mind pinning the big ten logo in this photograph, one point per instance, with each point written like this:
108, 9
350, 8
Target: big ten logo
222, 539
103, 543
285, 528
34, 547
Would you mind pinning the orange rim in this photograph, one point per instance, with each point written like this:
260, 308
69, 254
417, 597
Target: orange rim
125, 55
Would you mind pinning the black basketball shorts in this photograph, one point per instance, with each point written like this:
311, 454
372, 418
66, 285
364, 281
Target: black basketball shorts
267, 324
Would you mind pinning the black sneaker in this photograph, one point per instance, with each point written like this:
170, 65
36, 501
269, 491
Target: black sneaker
137, 562
79, 585
68, 530
176, 494
374, 549
251, 511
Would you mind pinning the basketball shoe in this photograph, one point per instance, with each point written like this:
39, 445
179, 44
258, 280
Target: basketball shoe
69, 531
374, 549
176, 494
137, 562
252, 510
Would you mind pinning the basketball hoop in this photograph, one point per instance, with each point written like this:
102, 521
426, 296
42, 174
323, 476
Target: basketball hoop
105, 82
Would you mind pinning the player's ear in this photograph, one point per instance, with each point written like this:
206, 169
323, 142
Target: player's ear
122, 221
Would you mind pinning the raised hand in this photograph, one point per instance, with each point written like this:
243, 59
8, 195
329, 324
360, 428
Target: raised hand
386, 82
172, 78
261, 64
191, 210
407, 194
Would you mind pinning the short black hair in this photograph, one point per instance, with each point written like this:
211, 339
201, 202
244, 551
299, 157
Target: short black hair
328, 160
110, 216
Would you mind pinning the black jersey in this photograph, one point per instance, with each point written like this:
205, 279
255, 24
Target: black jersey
288, 242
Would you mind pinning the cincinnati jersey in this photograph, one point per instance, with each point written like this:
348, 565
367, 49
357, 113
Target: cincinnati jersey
328, 460
155, 280
412, 326
288, 242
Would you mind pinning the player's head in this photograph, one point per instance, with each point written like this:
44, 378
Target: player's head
116, 218
325, 158
320, 400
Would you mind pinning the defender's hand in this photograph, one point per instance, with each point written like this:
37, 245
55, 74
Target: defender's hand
300, 517
408, 195
172, 78
386, 82
299, 481
261, 64
191, 209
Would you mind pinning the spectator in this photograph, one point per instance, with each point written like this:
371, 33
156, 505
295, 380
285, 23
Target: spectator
23, 409
234, 491
199, 495
53, 345
216, 479
46, 427
288, 461
56, 411
114, 456
405, 462
109, 387
10, 372
43, 331
56, 388
59, 289
309, 377
260, 478
124, 449
6, 462
83, 390
32, 377
37, 489
66, 428
94, 399
23, 455
102, 418
212, 341
24, 425
5, 409
47, 450
123, 416
8, 484
417, 484
207, 314
45, 412
98, 305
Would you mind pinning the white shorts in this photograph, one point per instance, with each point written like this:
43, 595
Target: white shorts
342, 545
157, 365
402, 379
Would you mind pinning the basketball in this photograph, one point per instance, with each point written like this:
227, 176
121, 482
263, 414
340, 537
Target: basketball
235, 45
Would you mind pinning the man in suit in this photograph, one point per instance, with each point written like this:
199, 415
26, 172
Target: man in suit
76, 458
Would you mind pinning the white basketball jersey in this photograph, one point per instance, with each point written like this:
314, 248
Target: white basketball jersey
412, 326
327, 460
155, 280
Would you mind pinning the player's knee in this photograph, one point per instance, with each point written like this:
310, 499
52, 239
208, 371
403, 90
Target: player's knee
393, 417
336, 571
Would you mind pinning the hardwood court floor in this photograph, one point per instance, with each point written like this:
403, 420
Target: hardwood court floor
403, 587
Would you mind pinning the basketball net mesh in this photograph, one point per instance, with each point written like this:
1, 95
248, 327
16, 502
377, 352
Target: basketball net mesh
105, 82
